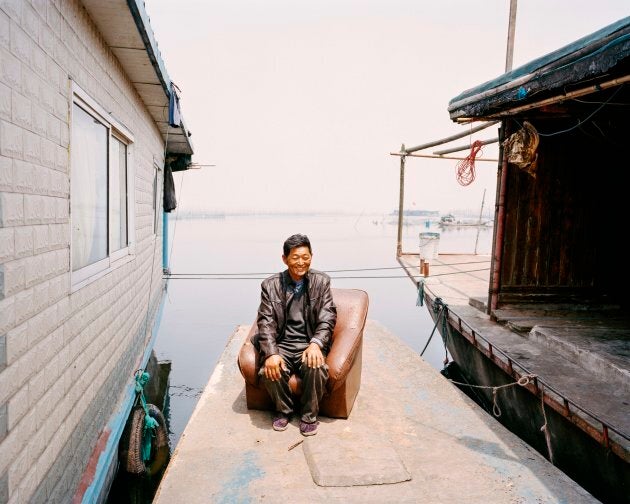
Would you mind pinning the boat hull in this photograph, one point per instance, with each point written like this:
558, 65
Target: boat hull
590, 463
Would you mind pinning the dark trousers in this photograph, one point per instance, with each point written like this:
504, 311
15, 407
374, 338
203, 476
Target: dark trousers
313, 386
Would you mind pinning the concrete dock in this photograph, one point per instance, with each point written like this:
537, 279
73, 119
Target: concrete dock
412, 436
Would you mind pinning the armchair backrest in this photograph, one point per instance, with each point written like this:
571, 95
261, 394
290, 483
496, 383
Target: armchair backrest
352, 308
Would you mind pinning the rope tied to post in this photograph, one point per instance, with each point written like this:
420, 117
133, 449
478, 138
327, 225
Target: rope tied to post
420, 300
441, 309
544, 429
150, 423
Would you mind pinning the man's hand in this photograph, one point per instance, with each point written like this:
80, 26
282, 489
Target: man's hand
313, 356
273, 367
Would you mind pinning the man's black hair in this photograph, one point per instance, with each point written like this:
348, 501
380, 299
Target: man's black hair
296, 240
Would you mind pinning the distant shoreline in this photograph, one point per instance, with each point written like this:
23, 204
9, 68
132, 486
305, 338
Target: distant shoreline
421, 214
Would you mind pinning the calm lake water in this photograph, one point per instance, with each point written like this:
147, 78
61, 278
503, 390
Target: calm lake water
200, 315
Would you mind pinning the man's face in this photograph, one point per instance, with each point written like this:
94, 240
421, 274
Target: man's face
298, 261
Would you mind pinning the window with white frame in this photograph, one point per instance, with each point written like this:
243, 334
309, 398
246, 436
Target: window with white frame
100, 194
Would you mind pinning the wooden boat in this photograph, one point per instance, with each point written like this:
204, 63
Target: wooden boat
550, 307
463, 223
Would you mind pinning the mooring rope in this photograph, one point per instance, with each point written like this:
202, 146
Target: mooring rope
150, 423
522, 381
441, 308
420, 300
544, 428
496, 411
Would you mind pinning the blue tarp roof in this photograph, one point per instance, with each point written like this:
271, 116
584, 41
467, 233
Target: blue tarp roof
589, 56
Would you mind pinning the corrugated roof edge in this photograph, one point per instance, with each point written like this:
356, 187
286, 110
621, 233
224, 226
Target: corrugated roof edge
143, 23
515, 76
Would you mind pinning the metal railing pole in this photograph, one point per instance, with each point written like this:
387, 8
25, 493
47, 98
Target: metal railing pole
401, 198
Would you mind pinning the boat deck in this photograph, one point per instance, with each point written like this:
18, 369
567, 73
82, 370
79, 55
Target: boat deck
585, 355
412, 436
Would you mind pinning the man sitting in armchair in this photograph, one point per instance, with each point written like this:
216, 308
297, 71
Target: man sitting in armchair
295, 322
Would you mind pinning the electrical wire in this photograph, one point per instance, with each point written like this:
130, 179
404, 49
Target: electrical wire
582, 121
325, 271
197, 277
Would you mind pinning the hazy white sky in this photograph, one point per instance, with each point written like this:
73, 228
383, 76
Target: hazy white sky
299, 103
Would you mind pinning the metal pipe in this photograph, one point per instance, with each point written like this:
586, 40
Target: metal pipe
165, 241
464, 147
495, 269
431, 156
483, 199
510, 41
450, 138
401, 198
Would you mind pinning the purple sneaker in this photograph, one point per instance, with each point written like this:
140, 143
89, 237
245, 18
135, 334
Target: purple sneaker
280, 422
308, 429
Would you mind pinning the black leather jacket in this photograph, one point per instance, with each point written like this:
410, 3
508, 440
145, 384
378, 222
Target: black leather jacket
320, 311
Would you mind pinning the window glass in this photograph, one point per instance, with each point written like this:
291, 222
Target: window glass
89, 189
101, 212
118, 199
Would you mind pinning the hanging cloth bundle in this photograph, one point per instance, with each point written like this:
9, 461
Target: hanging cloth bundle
522, 148
174, 112
170, 201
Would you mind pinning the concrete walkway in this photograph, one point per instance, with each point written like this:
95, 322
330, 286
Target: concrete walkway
407, 420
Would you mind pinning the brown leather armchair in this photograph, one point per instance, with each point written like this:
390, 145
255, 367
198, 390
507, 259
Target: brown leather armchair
344, 359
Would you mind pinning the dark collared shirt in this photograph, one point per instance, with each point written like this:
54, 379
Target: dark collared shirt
295, 338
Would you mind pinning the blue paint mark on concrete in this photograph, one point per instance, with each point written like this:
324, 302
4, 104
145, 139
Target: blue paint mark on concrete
236, 488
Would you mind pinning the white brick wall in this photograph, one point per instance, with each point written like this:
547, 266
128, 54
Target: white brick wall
4, 30
11, 209
6, 173
61, 345
11, 140
5, 101
7, 244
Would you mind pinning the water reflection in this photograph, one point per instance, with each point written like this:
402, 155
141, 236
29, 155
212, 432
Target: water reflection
200, 315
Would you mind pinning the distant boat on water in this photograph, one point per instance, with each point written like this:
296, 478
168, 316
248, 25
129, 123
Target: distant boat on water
449, 220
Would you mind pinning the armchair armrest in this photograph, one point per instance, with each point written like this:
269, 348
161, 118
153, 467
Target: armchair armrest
248, 358
352, 308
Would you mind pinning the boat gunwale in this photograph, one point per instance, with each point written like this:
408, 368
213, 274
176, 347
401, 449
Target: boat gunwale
579, 416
